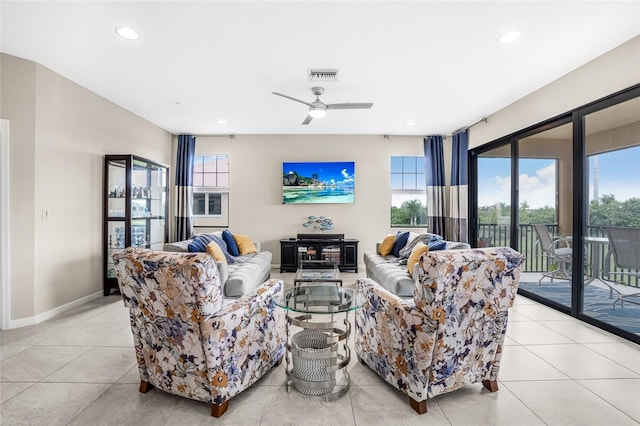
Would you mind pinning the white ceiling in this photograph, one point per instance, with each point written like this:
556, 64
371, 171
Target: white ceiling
436, 63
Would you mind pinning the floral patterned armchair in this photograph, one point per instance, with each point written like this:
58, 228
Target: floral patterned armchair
451, 333
188, 340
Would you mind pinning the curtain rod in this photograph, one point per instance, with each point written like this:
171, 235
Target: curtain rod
444, 137
212, 136
461, 129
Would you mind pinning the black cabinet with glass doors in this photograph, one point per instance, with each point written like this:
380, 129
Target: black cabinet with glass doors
135, 208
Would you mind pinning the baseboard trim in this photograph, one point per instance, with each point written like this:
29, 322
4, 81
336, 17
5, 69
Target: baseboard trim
23, 322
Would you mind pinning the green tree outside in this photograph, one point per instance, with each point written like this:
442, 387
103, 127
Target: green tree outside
410, 213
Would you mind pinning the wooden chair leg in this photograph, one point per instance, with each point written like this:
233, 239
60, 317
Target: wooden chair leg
218, 409
277, 364
419, 406
490, 385
145, 386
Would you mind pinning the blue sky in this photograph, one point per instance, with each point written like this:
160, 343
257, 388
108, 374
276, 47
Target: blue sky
327, 171
618, 174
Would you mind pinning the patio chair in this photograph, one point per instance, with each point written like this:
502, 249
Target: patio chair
558, 250
624, 245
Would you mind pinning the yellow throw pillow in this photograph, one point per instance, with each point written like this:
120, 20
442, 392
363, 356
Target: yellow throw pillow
214, 250
417, 251
245, 245
387, 245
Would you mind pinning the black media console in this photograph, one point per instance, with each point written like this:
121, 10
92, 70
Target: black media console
332, 247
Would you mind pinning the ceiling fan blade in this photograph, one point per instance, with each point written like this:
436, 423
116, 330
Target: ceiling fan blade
293, 99
307, 120
365, 105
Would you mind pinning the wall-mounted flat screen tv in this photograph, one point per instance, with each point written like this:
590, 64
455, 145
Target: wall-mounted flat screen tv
318, 182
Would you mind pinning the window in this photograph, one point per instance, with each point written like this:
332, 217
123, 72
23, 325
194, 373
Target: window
211, 171
207, 204
210, 190
408, 192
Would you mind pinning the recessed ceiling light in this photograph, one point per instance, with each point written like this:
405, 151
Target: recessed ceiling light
510, 36
410, 123
127, 33
222, 122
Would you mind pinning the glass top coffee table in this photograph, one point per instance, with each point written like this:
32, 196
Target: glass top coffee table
316, 272
318, 353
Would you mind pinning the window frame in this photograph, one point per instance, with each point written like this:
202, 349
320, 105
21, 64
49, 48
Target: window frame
421, 193
207, 219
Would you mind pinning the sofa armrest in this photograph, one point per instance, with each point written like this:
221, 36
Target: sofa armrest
395, 339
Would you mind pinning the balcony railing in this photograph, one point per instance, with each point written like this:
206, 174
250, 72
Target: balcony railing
491, 235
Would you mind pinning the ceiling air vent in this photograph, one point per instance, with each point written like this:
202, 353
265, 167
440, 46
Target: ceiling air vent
325, 74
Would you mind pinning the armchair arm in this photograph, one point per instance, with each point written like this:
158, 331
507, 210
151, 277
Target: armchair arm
395, 339
243, 340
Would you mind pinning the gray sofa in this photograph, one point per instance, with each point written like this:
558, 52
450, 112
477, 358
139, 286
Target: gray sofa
391, 274
238, 278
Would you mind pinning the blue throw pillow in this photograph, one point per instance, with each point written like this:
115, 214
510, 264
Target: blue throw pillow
437, 243
199, 243
232, 247
401, 241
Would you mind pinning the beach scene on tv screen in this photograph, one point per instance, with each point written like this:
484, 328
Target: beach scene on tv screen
318, 182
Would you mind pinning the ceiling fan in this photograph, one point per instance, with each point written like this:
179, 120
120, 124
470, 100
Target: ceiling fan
318, 109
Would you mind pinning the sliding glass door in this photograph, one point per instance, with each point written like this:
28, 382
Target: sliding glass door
566, 194
493, 215
545, 196
612, 234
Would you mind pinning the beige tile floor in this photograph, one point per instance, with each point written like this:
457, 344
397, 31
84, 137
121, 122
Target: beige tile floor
79, 369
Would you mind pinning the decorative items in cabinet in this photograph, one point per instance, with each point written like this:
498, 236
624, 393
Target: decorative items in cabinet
135, 208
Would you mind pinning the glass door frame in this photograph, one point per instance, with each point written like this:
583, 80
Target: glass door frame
580, 198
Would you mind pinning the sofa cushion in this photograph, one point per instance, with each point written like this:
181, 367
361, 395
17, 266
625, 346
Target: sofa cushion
232, 247
436, 244
202, 240
392, 274
418, 250
199, 243
387, 272
178, 246
214, 250
223, 247
245, 277
387, 245
245, 245
400, 242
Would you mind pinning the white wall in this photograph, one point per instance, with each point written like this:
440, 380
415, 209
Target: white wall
59, 135
256, 207
616, 70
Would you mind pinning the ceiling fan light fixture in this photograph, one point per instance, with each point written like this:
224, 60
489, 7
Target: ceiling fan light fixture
316, 112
